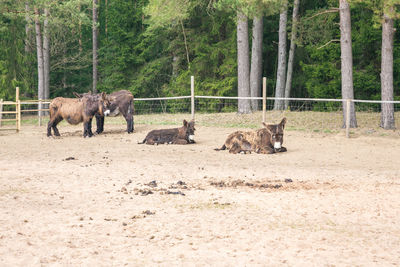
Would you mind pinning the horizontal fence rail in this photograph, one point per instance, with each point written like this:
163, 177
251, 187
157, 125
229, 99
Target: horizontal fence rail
319, 114
16, 112
162, 98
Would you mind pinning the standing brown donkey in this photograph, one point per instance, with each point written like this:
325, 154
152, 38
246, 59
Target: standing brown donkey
76, 110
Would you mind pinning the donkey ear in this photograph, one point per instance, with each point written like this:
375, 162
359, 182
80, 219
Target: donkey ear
77, 95
268, 127
103, 96
185, 123
191, 122
283, 122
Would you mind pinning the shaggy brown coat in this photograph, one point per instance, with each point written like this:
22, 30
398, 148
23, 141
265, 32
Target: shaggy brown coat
181, 136
267, 140
121, 102
76, 110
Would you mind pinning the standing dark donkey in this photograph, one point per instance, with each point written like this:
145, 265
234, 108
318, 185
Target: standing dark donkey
181, 136
77, 110
267, 140
120, 102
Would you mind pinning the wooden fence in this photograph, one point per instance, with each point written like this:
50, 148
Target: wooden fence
17, 112
40, 109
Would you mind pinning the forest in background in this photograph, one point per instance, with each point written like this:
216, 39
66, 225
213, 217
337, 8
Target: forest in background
152, 47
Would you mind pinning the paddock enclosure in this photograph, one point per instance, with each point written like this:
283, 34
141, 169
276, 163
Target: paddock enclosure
108, 201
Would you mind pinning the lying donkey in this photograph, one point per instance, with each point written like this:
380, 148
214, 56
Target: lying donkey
267, 140
181, 136
77, 110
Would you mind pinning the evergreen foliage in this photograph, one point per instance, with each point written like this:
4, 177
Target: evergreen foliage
152, 47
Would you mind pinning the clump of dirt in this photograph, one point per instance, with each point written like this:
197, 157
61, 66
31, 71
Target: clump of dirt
148, 212
286, 184
178, 185
175, 193
69, 158
144, 192
154, 186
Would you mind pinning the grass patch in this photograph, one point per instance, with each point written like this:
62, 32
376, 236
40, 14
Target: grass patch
13, 190
304, 121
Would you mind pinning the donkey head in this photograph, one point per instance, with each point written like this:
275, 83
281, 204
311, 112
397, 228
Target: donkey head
188, 128
104, 105
95, 103
276, 133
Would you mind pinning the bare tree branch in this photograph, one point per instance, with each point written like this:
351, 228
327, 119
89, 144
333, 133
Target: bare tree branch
331, 41
332, 10
186, 46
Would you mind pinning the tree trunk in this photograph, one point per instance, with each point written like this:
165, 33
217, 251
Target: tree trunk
281, 72
289, 76
186, 46
27, 29
64, 77
46, 55
243, 63
256, 61
387, 115
106, 19
39, 49
95, 32
80, 31
175, 65
347, 61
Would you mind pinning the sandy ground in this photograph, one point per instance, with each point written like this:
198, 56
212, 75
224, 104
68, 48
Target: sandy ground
108, 201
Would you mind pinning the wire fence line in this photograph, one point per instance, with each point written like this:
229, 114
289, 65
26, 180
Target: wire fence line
318, 114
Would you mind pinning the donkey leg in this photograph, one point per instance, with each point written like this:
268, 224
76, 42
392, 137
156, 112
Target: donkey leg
99, 123
54, 126
85, 129
282, 149
130, 117
266, 150
89, 128
129, 122
180, 142
49, 125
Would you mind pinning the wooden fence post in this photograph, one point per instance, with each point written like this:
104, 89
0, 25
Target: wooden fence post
1, 110
18, 109
348, 105
264, 94
192, 94
40, 112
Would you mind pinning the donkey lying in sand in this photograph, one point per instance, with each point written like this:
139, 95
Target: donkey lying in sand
267, 140
181, 136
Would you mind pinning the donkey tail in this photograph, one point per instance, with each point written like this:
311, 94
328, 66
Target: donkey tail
222, 148
144, 141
